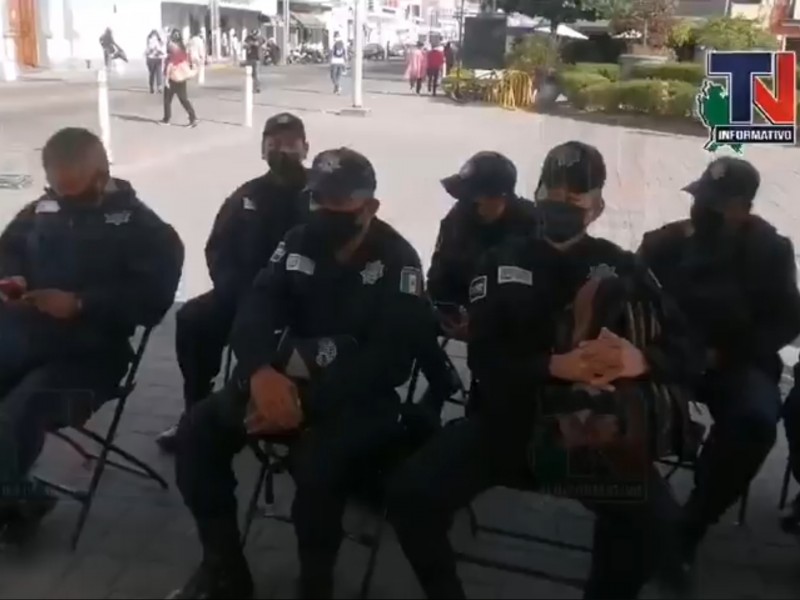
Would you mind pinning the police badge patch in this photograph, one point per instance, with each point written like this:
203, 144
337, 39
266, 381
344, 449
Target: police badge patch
602, 271
248, 204
279, 253
372, 272
512, 274
478, 288
301, 264
118, 218
47, 206
326, 352
411, 281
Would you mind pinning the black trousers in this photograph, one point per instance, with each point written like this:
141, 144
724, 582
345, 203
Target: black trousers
791, 424
155, 74
202, 329
328, 463
179, 89
433, 80
459, 464
745, 404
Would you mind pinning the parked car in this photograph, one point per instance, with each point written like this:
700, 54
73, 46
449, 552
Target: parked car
374, 52
397, 51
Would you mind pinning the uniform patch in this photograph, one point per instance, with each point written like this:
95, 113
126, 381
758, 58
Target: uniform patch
372, 272
478, 288
280, 252
301, 264
118, 218
47, 206
326, 352
248, 204
602, 271
328, 163
512, 274
411, 281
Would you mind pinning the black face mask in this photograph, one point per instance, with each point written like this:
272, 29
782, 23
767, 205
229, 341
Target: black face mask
89, 197
560, 221
286, 165
328, 231
707, 222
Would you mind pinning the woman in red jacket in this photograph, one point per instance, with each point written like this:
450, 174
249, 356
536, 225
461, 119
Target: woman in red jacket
435, 62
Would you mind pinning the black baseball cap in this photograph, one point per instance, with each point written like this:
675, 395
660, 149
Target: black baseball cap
485, 174
726, 177
340, 174
284, 122
576, 166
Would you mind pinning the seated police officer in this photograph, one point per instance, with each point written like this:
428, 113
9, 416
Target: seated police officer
82, 267
352, 283
516, 299
246, 231
735, 279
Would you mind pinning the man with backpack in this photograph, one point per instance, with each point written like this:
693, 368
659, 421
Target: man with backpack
338, 62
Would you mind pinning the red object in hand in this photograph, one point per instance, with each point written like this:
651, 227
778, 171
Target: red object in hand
11, 289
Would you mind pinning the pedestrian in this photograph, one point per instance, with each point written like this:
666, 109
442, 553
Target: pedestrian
449, 57
253, 48
415, 68
111, 49
434, 63
197, 51
154, 55
338, 62
177, 73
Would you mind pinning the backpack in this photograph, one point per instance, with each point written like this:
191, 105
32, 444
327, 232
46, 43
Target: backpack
595, 445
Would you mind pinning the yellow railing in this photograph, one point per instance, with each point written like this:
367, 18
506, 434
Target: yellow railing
511, 89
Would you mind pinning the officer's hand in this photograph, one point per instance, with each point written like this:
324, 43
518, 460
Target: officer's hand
12, 288
276, 403
56, 303
574, 367
613, 357
456, 328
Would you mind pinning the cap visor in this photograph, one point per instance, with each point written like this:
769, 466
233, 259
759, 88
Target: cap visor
454, 186
693, 187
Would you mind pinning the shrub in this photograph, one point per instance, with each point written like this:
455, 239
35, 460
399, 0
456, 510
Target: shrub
693, 73
735, 33
532, 53
647, 96
574, 83
608, 70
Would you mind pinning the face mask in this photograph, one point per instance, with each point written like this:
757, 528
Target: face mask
91, 196
328, 231
561, 221
706, 221
287, 165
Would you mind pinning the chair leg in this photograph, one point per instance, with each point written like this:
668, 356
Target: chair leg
787, 476
743, 507
252, 506
146, 470
366, 582
412, 384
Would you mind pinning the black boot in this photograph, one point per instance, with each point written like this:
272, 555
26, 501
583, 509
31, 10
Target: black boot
168, 440
224, 572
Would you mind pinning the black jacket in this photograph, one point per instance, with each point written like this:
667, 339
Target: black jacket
120, 258
739, 294
521, 290
254, 45
247, 229
376, 299
463, 239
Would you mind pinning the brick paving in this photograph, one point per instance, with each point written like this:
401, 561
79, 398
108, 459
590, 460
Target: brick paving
139, 542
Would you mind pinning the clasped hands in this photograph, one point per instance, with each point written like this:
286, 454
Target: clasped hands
56, 303
274, 404
600, 362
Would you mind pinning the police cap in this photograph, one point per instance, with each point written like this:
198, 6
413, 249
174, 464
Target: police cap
342, 174
727, 177
485, 174
574, 166
284, 122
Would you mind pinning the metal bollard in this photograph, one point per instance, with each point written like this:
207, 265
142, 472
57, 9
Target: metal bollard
201, 73
103, 114
248, 96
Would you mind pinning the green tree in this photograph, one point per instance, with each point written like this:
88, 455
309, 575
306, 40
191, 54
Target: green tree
652, 18
557, 12
735, 33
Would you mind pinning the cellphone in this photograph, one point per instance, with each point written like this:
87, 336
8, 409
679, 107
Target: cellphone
11, 289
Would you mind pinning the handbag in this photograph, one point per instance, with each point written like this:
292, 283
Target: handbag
594, 445
181, 72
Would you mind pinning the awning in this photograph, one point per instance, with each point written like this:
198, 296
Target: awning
307, 20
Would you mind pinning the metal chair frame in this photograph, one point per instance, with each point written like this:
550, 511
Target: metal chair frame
106, 442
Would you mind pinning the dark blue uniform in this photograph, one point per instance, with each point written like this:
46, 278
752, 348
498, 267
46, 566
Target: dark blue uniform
124, 263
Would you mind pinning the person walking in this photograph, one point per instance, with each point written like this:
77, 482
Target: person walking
434, 62
254, 45
177, 72
338, 60
449, 57
111, 50
415, 68
155, 57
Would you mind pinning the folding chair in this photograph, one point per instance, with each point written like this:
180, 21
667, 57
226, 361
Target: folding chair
787, 478
106, 443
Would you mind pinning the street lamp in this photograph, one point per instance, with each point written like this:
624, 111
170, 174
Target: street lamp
285, 33
214, 22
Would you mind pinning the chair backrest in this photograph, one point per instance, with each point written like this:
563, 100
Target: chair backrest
129, 382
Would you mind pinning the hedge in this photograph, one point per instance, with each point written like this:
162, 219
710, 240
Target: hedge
689, 72
608, 70
575, 81
649, 96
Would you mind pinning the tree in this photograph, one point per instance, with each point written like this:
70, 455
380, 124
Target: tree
557, 12
653, 19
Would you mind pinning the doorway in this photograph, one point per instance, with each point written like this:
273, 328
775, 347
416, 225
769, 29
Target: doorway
22, 21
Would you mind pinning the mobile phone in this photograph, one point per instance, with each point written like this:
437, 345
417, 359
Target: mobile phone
11, 289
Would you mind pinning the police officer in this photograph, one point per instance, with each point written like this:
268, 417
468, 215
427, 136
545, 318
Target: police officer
487, 212
346, 274
735, 279
247, 229
516, 297
82, 267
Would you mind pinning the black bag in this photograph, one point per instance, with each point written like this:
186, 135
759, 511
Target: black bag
594, 445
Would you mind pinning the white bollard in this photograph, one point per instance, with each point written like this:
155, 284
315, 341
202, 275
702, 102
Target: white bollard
201, 72
248, 96
103, 114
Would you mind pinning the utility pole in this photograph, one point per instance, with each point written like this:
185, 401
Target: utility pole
285, 32
358, 53
216, 33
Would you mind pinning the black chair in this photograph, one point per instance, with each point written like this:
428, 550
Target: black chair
107, 446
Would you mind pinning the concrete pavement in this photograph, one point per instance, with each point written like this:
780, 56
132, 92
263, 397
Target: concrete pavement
139, 542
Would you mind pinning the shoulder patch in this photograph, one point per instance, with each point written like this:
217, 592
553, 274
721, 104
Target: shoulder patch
301, 264
280, 252
411, 281
118, 218
248, 204
478, 288
47, 206
514, 274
